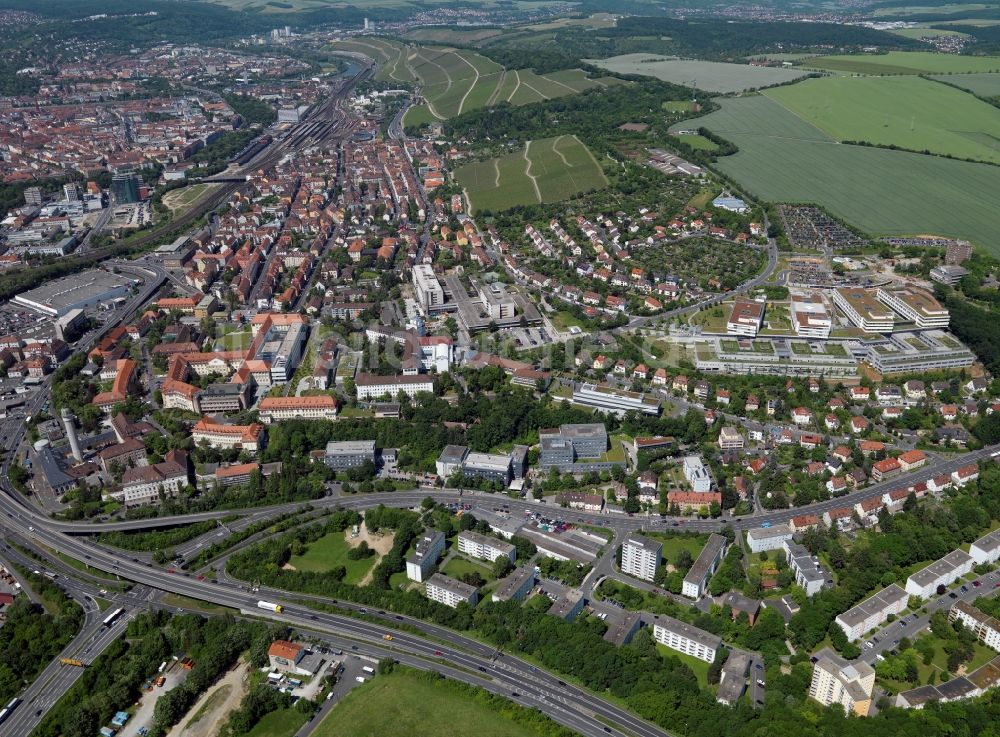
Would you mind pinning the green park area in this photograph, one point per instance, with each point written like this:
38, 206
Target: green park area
407, 703
329, 552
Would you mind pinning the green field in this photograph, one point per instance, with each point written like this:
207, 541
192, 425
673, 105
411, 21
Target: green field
984, 84
454, 81
329, 552
548, 170
909, 112
403, 703
698, 667
782, 158
699, 143
458, 567
925, 32
711, 76
906, 62
281, 723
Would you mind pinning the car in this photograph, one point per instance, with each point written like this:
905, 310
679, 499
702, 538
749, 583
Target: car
169, 570
354, 647
438, 653
964, 589
761, 667
977, 583
482, 669
952, 595
760, 682
387, 637
201, 578
515, 694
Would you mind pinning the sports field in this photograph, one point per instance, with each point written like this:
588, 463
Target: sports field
711, 76
454, 81
907, 111
906, 62
547, 170
782, 158
984, 84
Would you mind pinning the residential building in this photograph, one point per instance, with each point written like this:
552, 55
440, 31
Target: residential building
697, 474
809, 573
732, 682
641, 557
838, 681
371, 386
982, 625
485, 547
986, 549
425, 555
450, 592
349, 453
517, 585
730, 438
704, 566
872, 612
686, 639
944, 571
567, 605
760, 539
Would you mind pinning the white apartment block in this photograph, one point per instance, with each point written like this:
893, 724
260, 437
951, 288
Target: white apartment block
945, 571
446, 590
425, 555
484, 547
916, 306
872, 612
686, 639
641, 557
810, 316
864, 310
983, 626
838, 681
430, 295
986, 549
704, 566
760, 539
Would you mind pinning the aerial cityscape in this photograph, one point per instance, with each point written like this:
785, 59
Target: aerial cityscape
499, 368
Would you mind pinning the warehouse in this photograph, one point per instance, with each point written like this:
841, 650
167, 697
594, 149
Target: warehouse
58, 297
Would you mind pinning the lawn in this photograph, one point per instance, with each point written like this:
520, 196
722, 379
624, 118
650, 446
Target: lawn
564, 320
403, 703
281, 723
329, 552
458, 567
548, 170
697, 142
711, 76
673, 545
906, 111
783, 158
906, 62
699, 667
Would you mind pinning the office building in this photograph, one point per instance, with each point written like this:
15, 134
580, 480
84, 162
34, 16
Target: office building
496, 467
450, 592
916, 306
838, 681
950, 275
576, 448
945, 571
686, 639
125, 188
641, 557
349, 453
958, 252
430, 295
218, 398
517, 585
484, 547
425, 555
745, 318
696, 580
609, 399
810, 316
319, 407
872, 612
371, 386
33, 196
697, 474
760, 539
864, 310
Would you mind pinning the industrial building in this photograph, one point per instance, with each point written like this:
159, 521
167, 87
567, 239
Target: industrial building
57, 297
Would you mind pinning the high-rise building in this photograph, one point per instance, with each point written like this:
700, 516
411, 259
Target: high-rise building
838, 681
33, 196
641, 557
71, 192
125, 188
958, 251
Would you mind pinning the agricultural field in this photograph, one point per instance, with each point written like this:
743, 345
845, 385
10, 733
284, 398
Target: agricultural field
924, 32
547, 170
464, 36
711, 76
906, 111
697, 142
906, 62
984, 84
782, 158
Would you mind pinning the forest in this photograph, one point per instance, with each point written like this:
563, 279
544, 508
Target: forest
32, 635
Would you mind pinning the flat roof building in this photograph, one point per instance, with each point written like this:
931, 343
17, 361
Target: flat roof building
425, 555
745, 318
760, 539
916, 306
641, 557
704, 566
449, 591
872, 612
684, 638
609, 399
838, 681
349, 453
944, 571
864, 310
59, 296
517, 585
485, 547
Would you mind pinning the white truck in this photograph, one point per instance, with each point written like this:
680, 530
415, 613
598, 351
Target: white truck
271, 607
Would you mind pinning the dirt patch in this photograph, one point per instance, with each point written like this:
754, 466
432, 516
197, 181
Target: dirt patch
380, 542
207, 716
288, 567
